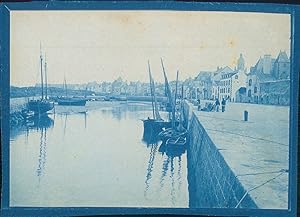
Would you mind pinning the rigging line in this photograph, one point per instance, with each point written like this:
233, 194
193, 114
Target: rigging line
238, 134
271, 172
258, 186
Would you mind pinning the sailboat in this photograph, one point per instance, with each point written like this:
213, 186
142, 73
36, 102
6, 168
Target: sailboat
176, 134
43, 105
70, 101
152, 126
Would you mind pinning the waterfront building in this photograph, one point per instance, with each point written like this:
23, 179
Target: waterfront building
187, 88
221, 83
238, 82
269, 73
106, 87
275, 92
230, 84
203, 85
119, 87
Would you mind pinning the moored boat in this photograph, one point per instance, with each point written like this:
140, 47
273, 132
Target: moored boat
171, 133
66, 101
43, 105
70, 101
40, 106
176, 142
155, 124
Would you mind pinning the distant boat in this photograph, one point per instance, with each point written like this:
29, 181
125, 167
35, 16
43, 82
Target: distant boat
43, 105
70, 101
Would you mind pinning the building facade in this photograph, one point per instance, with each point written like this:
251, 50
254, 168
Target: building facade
269, 73
203, 85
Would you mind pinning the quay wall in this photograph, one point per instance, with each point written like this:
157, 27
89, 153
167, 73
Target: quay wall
212, 183
17, 104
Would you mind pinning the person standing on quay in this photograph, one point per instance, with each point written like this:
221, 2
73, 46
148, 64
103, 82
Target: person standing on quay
198, 105
223, 104
217, 103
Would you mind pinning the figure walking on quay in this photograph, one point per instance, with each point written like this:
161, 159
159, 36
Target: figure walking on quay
198, 104
217, 103
223, 104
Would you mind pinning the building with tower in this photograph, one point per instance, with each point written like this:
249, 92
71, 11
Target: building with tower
267, 76
227, 83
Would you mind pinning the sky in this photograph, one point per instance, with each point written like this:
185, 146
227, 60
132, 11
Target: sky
85, 46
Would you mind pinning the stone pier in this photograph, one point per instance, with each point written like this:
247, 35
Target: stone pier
236, 163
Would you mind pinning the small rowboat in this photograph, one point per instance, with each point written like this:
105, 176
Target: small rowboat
171, 133
176, 142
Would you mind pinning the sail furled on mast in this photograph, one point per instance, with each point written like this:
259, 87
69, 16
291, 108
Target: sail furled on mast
156, 114
151, 91
169, 93
158, 117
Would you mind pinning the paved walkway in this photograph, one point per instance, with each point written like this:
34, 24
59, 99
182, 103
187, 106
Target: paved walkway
256, 150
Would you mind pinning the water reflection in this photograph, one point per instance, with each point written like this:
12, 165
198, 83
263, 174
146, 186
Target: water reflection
139, 172
172, 182
42, 122
150, 167
119, 112
164, 171
172, 161
150, 137
65, 115
171, 152
42, 153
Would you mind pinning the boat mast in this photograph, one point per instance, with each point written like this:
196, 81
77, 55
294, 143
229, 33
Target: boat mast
46, 82
151, 91
176, 86
41, 63
175, 94
157, 115
155, 103
169, 93
65, 85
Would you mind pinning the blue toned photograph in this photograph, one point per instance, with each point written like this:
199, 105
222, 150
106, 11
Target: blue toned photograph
149, 108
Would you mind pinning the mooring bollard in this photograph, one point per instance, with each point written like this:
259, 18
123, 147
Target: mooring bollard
245, 115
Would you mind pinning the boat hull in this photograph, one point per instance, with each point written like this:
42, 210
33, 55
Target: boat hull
40, 107
72, 102
169, 133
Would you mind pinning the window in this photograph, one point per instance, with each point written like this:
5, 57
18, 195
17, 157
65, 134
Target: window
250, 82
255, 89
249, 92
236, 76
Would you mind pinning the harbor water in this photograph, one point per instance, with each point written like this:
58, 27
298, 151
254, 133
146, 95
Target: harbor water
94, 156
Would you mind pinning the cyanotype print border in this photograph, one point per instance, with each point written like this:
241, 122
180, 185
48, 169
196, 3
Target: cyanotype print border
5, 9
